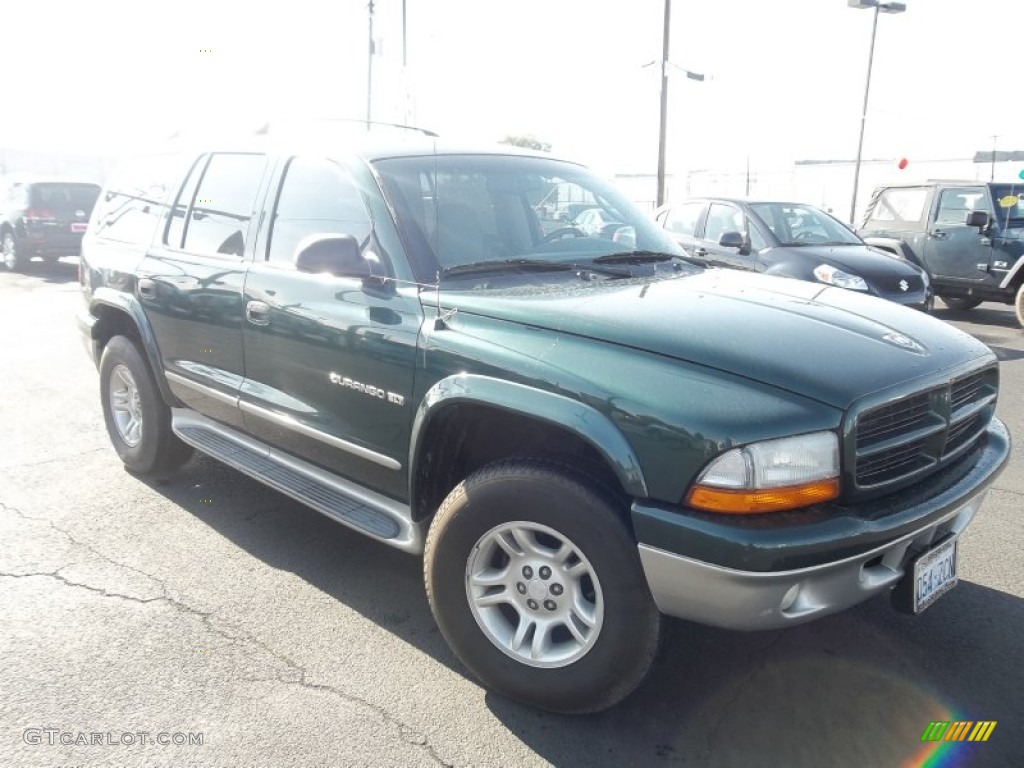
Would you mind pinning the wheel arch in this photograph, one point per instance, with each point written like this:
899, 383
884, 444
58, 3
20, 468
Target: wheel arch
1015, 276
119, 314
467, 421
896, 247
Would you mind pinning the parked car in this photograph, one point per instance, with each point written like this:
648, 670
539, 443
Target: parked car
577, 435
968, 236
792, 240
43, 217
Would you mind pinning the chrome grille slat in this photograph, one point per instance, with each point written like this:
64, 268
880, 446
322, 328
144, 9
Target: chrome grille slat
902, 440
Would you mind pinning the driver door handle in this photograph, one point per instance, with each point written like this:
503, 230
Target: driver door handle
257, 312
701, 252
938, 234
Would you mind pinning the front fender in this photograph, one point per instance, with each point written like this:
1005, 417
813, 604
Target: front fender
588, 424
127, 305
1016, 270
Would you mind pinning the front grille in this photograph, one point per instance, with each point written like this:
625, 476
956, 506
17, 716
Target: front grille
899, 441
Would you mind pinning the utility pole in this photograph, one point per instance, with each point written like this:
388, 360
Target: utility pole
664, 106
992, 172
369, 70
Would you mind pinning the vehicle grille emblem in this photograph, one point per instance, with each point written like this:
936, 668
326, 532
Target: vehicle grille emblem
904, 285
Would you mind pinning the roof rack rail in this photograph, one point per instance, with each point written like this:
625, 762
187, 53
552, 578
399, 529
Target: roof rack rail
267, 127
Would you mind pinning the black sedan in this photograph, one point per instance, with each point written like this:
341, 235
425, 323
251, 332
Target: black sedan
792, 240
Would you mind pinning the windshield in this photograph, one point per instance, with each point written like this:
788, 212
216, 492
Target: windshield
1009, 200
803, 225
458, 210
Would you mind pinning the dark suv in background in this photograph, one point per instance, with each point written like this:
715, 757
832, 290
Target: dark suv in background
968, 235
43, 217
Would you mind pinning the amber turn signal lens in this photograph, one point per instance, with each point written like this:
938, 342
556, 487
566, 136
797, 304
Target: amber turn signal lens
768, 500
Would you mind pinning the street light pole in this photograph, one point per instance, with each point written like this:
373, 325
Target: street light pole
664, 106
369, 70
877, 7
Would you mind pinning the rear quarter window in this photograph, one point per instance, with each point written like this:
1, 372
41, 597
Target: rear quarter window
136, 198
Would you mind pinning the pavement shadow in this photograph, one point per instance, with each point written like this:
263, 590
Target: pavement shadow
61, 271
987, 314
854, 689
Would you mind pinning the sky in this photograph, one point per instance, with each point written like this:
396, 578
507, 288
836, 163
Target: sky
784, 80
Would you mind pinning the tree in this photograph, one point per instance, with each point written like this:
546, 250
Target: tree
528, 141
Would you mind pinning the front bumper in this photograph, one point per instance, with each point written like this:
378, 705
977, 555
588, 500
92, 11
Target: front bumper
765, 573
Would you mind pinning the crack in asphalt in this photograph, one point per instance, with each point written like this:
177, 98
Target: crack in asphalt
50, 461
300, 677
737, 693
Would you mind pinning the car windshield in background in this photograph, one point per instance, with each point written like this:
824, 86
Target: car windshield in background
1009, 200
53, 195
509, 211
803, 225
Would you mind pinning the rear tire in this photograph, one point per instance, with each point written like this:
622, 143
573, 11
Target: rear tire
536, 584
12, 256
960, 304
138, 420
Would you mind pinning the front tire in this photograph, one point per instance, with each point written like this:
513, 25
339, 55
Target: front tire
536, 584
138, 420
1018, 305
960, 304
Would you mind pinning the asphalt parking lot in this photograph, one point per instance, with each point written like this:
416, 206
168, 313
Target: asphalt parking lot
211, 609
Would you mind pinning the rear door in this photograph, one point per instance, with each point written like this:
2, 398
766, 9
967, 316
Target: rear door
682, 221
191, 281
330, 360
954, 250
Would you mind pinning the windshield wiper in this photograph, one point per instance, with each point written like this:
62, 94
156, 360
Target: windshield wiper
509, 265
644, 257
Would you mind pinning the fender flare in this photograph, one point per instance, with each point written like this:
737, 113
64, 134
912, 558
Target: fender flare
586, 423
128, 305
1016, 269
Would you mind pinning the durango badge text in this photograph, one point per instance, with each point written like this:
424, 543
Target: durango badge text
366, 389
514, 301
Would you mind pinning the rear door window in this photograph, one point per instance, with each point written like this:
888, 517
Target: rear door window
218, 222
136, 197
898, 205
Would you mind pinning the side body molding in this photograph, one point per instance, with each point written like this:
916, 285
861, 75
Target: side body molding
126, 303
590, 425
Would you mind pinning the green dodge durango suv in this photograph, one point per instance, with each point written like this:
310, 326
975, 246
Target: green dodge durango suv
577, 433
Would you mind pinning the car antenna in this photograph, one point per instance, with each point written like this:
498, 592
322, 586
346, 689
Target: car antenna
441, 321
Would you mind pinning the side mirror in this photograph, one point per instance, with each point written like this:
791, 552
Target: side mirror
336, 254
731, 240
978, 219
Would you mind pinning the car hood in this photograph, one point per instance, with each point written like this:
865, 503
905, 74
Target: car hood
859, 259
829, 344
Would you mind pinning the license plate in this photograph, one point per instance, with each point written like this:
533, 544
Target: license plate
934, 574
79, 226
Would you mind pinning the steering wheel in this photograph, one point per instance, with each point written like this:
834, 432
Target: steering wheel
561, 232
808, 235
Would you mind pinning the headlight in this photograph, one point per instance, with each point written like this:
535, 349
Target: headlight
829, 274
769, 476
